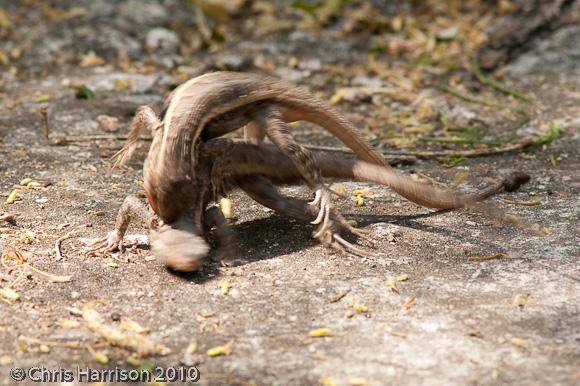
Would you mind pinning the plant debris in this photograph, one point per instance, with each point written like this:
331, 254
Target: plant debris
409, 302
320, 333
221, 350
493, 256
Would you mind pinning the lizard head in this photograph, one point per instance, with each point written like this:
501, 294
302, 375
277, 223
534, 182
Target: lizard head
178, 246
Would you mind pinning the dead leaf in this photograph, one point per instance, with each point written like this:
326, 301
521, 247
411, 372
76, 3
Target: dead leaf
226, 208
48, 276
69, 324
392, 285
141, 345
225, 286
360, 308
13, 197
320, 333
91, 60
409, 302
221, 350
519, 343
9, 295
520, 300
127, 324
327, 381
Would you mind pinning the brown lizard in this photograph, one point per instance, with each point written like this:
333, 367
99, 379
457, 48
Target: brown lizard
225, 164
217, 103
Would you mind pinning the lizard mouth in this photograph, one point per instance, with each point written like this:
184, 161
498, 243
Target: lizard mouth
179, 249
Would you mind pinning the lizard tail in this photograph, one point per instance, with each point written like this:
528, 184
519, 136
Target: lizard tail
144, 118
426, 195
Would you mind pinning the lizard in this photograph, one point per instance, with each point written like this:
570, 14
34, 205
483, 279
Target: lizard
214, 104
255, 168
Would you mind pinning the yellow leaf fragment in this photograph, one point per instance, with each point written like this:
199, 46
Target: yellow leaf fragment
397, 23
361, 192
9, 295
67, 323
360, 307
358, 382
13, 197
340, 189
226, 207
4, 60
21, 346
552, 160
221, 350
25, 239
5, 22
26, 181
100, 357
403, 277
44, 348
338, 96
134, 361
111, 263
359, 200
91, 60
409, 302
191, 348
392, 285
520, 300
320, 333
225, 286
123, 84
517, 342
42, 98
327, 381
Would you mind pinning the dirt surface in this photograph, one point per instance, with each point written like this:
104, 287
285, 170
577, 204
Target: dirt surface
511, 320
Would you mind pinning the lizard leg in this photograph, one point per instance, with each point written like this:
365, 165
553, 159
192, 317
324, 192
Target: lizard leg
264, 192
226, 252
144, 119
271, 120
131, 209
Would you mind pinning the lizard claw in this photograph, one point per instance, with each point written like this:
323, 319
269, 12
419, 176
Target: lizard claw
110, 243
322, 199
332, 239
325, 222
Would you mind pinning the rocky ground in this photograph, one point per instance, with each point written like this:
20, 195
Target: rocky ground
449, 298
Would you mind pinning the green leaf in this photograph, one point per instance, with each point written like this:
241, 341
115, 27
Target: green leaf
306, 7
454, 160
83, 91
553, 133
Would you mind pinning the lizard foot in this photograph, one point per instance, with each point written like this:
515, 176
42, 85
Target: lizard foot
110, 243
333, 240
179, 249
327, 215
